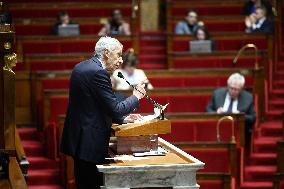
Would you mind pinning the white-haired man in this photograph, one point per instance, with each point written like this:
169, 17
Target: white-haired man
91, 110
234, 99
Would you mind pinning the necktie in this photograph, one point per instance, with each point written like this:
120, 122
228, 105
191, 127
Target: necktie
230, 108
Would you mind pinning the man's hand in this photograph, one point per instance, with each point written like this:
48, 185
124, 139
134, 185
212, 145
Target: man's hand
248, 22
132, 117
220, 110
142, 92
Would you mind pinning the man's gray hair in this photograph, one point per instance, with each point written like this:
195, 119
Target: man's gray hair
236, 77
106, 43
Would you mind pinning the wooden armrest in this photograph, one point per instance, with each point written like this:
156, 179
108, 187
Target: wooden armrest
17, 180
21, 156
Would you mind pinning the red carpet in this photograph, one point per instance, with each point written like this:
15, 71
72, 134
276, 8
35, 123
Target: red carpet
261, 166
43, 172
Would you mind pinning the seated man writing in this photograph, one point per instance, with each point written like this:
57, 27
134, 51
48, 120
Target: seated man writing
234, 99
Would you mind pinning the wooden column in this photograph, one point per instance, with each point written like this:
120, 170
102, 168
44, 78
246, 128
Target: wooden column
7, 88
149, 15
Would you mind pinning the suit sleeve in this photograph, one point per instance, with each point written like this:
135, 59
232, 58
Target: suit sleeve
211, 105
250, 115
179, 29
101, 87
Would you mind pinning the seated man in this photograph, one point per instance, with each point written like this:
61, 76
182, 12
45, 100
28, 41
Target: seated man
251, 5
234, 99
62, 19
258, 22
189, 25
116, 25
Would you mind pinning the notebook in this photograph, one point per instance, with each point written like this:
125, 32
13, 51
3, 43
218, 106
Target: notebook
204, 46
69, 30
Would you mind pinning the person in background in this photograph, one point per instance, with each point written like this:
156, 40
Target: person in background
258, 22
116, 25
62, 19
201, 34
189, 24
234, 99
130, 72
5, 18
251, 5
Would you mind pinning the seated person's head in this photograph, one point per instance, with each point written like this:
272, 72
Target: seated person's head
235, 84
116, 16
260, 13
201, 33
63, 18
129, 61
191, 17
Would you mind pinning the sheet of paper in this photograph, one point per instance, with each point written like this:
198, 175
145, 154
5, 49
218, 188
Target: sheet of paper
156, 114
127, 158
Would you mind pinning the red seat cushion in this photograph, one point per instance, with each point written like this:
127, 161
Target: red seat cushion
216, 160
183, 103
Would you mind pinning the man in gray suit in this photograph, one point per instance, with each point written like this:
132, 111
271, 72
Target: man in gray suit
189, 24
234, 99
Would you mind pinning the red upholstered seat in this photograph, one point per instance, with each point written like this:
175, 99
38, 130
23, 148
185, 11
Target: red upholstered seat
58, 106
218, 62
209, 10
216, 160
43, 29
52, 65
211, 184
59, 46
183, 103
73, 12
199, 131
55, 84
221, 44
282, 185
193, 81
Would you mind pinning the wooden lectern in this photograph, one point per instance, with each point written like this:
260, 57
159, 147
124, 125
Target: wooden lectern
174, 168
139, 137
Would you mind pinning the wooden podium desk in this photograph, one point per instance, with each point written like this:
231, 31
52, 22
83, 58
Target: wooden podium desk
176, 169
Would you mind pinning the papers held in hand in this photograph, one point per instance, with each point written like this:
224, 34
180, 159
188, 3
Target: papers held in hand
157, 113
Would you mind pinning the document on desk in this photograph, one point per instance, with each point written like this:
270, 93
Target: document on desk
156, 114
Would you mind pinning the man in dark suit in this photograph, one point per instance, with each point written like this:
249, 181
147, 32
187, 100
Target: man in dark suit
91, 110
234, 99
258, 23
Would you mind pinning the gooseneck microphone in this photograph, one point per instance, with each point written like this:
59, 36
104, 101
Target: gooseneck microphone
120, 75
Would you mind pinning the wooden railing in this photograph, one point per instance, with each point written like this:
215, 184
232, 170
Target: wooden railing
21, 155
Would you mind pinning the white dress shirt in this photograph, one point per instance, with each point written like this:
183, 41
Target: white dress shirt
259, 23
227, 104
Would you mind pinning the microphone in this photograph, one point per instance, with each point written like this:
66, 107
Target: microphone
156, 104
249, 45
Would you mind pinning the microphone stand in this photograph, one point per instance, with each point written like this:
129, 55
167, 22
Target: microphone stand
249, 45
156, 104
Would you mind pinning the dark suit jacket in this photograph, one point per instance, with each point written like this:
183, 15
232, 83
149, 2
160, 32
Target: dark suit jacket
91, 110
266, 27
245, 104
